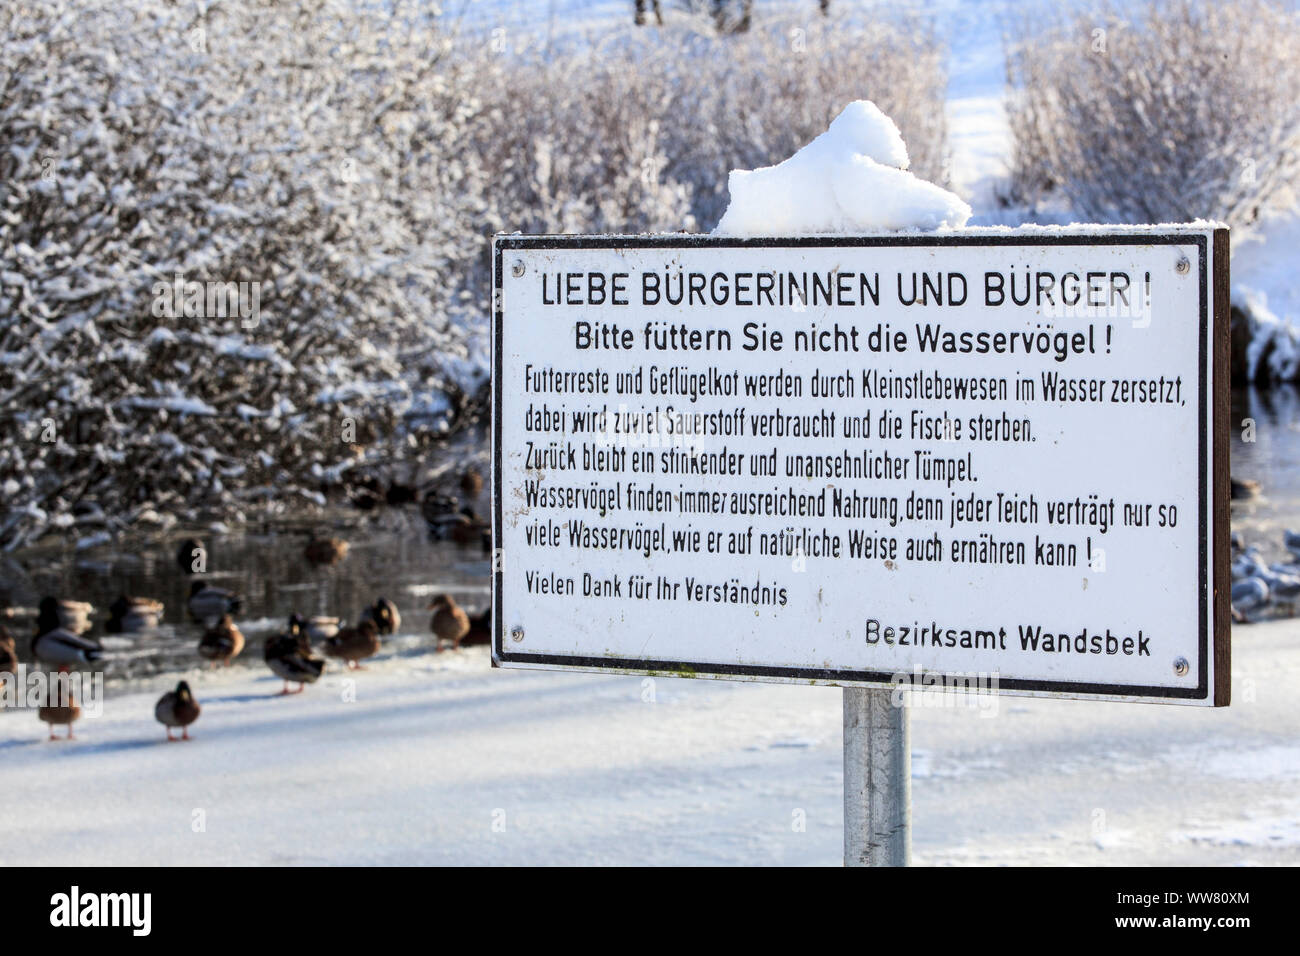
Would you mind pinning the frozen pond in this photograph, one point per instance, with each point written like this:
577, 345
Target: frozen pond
391, 555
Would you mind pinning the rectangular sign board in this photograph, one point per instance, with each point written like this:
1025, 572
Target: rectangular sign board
988, 455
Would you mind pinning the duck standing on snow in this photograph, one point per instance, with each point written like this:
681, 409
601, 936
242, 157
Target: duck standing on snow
130, 615
65, 713
55, 645
289, 657
222, 642
449, 622
326, 551
354, 644
384, 614
208, 602
177, 708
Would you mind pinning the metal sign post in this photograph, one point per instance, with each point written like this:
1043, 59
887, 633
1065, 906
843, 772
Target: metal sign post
877, 778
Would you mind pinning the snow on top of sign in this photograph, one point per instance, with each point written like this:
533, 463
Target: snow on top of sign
851, 178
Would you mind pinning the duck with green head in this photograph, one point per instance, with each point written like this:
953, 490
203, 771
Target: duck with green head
289, 656
177, 708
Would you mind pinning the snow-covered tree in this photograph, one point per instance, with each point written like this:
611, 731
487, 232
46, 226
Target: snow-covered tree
154, 157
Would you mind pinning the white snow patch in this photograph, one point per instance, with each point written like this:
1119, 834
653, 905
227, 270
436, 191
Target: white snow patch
1113, 839
980, 136
1272, 831
1266, 763
852, 178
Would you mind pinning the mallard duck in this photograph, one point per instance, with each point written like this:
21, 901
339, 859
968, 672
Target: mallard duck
480, 629
321, 628
57, 646
222, 642
354, 644
326, 550
8, 652
191, 556
289, 657
129, 615
449, 621
71, 616
177, 708
66, 713
208, 602
385, 616
471, 483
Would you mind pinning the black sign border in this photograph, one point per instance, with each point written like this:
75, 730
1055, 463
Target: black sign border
829, 676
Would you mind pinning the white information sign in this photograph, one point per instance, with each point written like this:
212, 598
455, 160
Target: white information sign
987, 457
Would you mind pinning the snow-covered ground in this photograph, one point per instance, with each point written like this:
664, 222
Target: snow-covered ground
440, 759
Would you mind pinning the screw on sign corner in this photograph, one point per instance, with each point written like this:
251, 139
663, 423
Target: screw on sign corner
516, 634
1181, 667
1183, 265
517, 269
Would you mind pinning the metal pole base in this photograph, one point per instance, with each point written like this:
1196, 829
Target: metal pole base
877, 779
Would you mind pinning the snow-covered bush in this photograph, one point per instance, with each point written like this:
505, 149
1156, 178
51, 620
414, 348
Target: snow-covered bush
639, 132
291, 153
1162, 111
